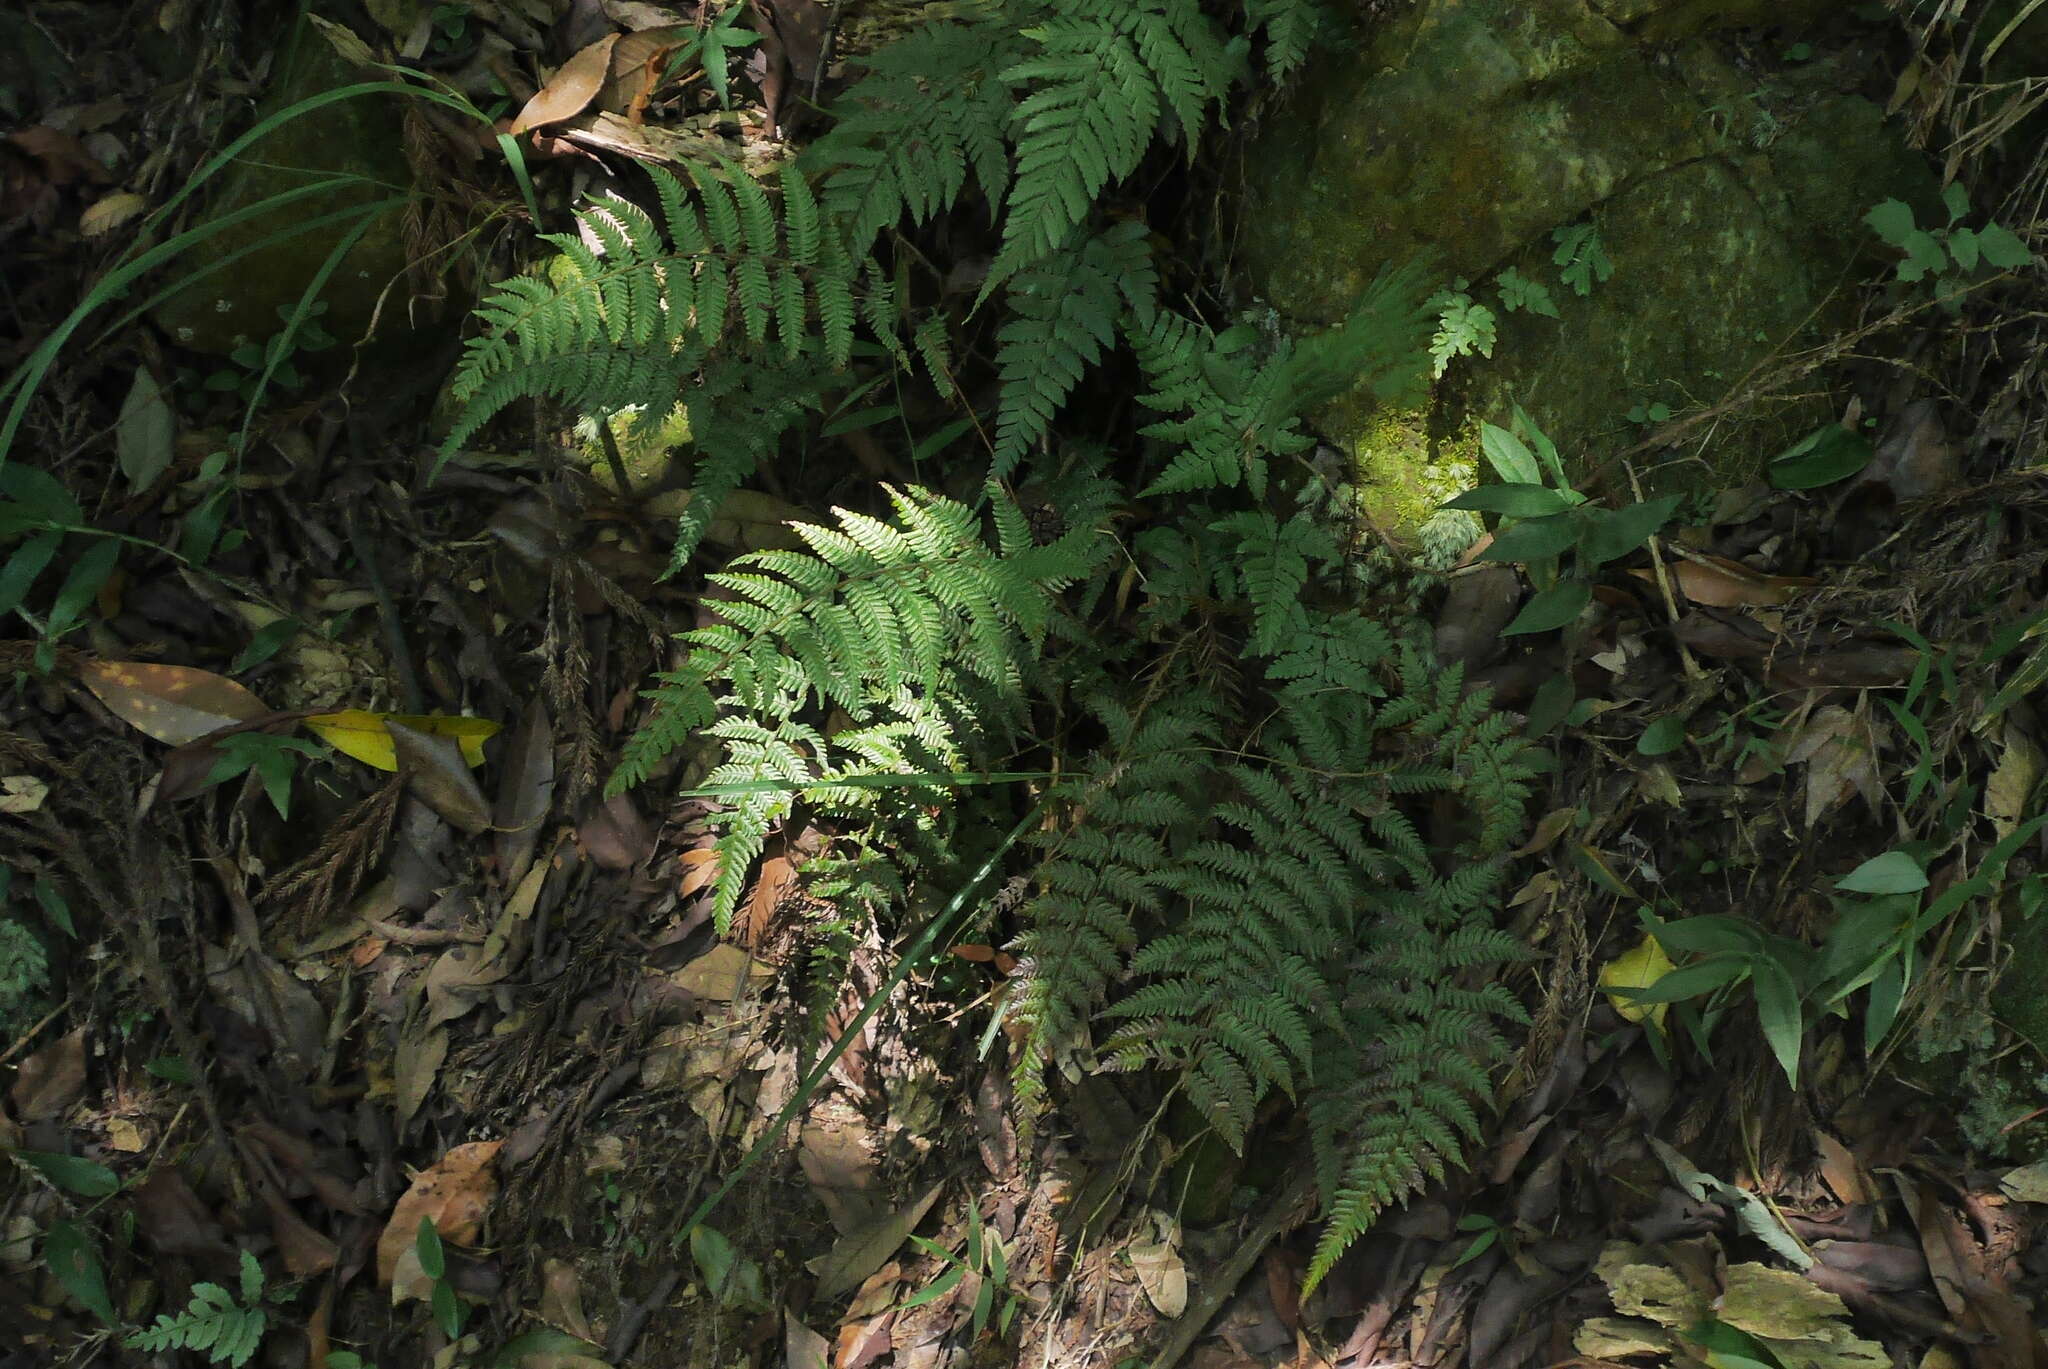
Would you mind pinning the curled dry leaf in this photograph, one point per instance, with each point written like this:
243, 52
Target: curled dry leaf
456, 1191
570, 90
173, 704
52, 1079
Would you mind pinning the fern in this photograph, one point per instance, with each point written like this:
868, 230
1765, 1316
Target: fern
1290, 28
929, 112
916, 631
625, 325
1064, 312
1105, 75
213, 1322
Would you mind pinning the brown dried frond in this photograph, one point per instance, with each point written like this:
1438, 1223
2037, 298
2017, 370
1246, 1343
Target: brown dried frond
320, 884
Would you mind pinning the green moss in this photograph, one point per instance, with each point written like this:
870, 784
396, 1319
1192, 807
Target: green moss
1402, 473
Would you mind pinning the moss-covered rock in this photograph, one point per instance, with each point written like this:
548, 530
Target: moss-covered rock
1726, 194
359, 136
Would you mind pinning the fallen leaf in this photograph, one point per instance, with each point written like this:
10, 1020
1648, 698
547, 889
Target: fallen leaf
22, 793
803, 1348
2012, 782
524, 791
1719, 582
456, 1191
52, 1079
721, 973
174, 704
435, 770
700, 871
570, 90
366, 736
105, 215
1162, 1275
860, 1253
777, 874
420, 1053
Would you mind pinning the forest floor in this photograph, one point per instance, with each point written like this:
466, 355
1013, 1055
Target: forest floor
312, 979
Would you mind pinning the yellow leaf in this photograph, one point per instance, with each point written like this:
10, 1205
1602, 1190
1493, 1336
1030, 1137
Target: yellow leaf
1637, 969
359, 733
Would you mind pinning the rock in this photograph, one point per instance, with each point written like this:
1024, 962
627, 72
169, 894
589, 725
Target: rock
357, 136
1728, 203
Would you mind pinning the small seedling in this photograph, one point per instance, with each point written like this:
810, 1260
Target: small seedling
227, 1331
1952, 253
449, 1312
1541, 522
983, 1257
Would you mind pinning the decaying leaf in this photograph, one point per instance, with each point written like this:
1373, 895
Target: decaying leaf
1162, 1275
722, 973
860, 1253
174, 704
456, 1191
365, 736
435, 770
570, 90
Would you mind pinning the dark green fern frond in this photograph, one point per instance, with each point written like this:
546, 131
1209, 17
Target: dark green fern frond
726, 268
1289, 28
1064, 312
929, 112
1104, 74
1231, 412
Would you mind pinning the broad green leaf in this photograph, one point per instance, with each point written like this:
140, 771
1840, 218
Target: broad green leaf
2002, 248
1894, 872
1924, 256
1709, 934
1553, 608
1777, 1009
1661, 737
88, 573
1822, 457
1538, 539
1691, 981
1554, 699
433, 1259
1891, 220
1887, 992
1615, 534
1515, 501
447, 1310
70, 1257
39, 492
71, 1173
1511, 458
146, 433
29, 560
1962, 245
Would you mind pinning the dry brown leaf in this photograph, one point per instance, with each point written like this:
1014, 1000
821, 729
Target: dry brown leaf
420, 1053
721, 973
174, 704
859, 1254
802, 1348
778, 873
570, 90
1720, 583
436, 771
51, 1080
456, 1191
700, 871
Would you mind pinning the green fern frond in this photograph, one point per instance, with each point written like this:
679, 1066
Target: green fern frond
1064, 312
1104, 74
1290, 28
906, 137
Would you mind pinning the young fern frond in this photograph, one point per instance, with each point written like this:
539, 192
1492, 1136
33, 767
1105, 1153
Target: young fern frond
1290, 28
